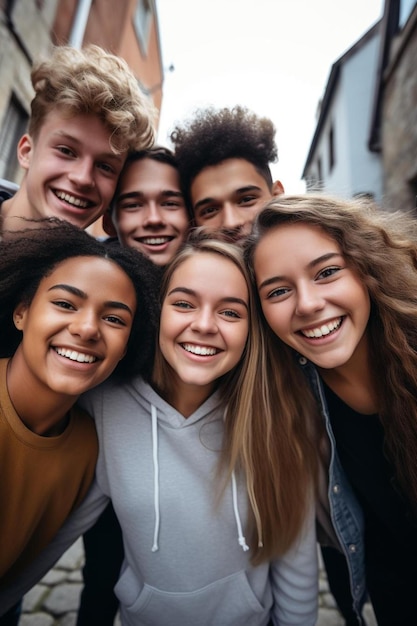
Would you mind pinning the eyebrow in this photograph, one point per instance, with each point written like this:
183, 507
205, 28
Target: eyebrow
311, 265
239, 191
81, 294
108, 155
139, 194
191, 292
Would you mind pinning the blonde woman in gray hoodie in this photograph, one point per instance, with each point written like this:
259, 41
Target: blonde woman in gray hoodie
216, 528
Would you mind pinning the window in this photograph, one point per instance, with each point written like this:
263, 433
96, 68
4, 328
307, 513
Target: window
319, 172
406, 7
142, 23
13, 127
331, 149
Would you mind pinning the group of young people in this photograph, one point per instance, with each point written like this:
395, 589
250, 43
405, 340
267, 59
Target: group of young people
249, 361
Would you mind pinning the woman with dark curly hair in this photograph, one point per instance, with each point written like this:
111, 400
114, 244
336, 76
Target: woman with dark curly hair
72, 311
337, 283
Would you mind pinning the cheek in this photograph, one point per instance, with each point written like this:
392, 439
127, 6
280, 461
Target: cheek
165, 336
125, 224
360, 301
107, 189
239, 341
180, 221
276, 318
364, 305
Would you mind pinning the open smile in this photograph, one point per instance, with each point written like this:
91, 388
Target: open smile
73, 355
154, 241
78, 203
200, 350
324, 330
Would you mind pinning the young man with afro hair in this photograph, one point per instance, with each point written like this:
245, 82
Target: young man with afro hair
223, 158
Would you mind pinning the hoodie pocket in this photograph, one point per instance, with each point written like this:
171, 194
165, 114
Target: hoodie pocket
226, 602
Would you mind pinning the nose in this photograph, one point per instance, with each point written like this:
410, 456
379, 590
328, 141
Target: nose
84, 324
204, 321
231, 216
309, 299
82, 173
153, 215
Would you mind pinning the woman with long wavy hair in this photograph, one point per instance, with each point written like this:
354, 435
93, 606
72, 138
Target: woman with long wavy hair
337, 284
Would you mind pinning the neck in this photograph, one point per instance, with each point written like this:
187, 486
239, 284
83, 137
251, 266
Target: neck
16, 210
48, 416
186, 399
353, 382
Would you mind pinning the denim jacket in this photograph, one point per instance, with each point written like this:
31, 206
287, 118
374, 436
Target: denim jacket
344, 509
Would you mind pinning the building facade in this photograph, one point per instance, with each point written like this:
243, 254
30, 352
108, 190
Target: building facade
25, 34
339, 160
394, 130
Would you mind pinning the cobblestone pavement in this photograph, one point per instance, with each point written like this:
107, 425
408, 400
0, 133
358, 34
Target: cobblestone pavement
54, 601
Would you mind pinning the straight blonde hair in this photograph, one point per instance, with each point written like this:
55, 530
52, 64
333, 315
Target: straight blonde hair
266, 440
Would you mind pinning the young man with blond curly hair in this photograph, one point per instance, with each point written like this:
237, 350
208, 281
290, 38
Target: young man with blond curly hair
87, 114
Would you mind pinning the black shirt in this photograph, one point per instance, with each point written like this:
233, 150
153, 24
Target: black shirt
390, 526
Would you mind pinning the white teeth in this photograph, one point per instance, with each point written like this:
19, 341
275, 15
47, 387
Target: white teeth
200, 350
76, 356
322, 331
83, 204
155, 241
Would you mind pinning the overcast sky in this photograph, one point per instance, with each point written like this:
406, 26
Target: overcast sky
273, 56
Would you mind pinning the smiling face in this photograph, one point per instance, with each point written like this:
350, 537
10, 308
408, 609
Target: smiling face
71, 171
150, 212
74, 334
204, 322
310, 298
229, 195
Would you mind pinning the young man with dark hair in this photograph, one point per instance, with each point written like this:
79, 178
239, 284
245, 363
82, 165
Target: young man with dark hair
148, 211
224, 158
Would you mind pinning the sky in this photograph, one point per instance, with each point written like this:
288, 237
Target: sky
272, 56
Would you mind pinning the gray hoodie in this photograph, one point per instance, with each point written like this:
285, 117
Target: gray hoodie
187, 561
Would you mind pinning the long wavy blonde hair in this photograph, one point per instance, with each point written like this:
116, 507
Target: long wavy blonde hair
381, 247
269, 442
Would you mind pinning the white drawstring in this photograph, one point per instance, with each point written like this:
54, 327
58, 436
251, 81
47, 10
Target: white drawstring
241, 538
155, 546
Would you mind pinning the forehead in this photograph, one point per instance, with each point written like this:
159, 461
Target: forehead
84, 131
61, 122
148, 173
210, 266
294, 242
81, 270
225, 178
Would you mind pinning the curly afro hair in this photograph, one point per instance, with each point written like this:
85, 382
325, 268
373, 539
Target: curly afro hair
214, 135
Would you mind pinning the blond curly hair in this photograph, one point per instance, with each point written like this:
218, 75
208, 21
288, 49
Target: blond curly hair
93, 81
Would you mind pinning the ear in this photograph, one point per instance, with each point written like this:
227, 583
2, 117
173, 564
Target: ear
25, 150
19, 316
277, 188
108, 225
